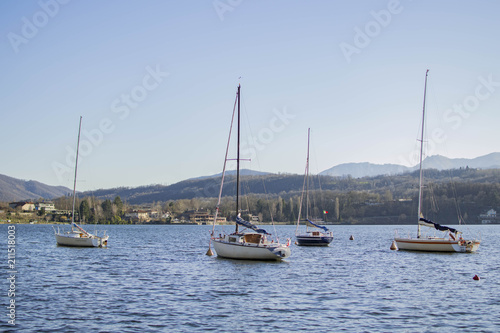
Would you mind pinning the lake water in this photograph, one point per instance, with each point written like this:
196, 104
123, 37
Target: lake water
158, 279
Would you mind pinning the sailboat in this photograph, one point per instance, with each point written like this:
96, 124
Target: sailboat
251, 242
312, 236
77, 236
452, 240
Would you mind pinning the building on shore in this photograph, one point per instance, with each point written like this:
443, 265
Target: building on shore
489, 217
26, 206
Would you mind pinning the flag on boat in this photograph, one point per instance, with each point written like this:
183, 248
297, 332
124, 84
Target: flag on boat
249, 225
316, 225
325, 212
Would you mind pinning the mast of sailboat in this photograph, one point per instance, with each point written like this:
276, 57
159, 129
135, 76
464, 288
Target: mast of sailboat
421, 154
209, 252
238, 160
76, 168
307, 175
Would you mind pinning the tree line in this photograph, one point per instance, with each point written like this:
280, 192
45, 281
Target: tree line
92, 210
382, 199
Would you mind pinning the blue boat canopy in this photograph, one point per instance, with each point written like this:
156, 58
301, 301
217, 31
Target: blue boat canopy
249, 225
438, 226
317, 226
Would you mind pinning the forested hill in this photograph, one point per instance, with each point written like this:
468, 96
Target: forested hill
399, 186
13, 189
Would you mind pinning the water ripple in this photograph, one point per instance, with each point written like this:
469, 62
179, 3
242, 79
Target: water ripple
157, 279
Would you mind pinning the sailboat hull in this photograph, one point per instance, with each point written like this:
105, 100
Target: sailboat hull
307, 240
75, 240
436, 245
230, 250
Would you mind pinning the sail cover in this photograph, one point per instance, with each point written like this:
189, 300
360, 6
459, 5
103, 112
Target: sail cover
317, 226
249, 225
429, 223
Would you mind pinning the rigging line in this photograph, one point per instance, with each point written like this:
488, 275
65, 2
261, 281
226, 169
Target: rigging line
247, 123
322, 199
266, 195
76, 168
301, 200
455, 199
224, 167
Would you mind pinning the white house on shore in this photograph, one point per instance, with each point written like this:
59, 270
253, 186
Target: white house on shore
26, 206
489, 217
47, 206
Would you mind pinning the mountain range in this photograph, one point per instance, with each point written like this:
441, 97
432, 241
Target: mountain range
438, 162
243, 172
12, 189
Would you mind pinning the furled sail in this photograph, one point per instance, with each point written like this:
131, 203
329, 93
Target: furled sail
312, 224
429, 223
249, 225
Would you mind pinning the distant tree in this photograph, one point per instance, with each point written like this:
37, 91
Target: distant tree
107, 210
41, 212
84, 210
387, 196
119, 205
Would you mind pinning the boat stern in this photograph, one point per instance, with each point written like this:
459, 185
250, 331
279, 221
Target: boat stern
467, 246
282, 251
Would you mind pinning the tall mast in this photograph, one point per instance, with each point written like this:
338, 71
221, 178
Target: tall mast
307, 175
421, 155
76, 168
238, 159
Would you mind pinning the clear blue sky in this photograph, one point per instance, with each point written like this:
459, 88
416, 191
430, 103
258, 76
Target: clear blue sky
155, 82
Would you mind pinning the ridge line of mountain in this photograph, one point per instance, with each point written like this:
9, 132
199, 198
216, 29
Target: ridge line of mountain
12, 189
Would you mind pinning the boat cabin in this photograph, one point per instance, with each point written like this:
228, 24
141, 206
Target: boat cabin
251, 238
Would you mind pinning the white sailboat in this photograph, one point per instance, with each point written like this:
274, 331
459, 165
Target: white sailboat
251, 243
312, 236
452, 240
77, 236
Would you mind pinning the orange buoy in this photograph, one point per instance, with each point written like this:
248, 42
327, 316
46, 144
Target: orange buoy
394, 246
477, 278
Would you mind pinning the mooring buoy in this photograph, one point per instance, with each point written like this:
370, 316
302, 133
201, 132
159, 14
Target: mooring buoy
394, 246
